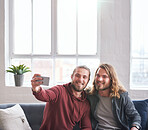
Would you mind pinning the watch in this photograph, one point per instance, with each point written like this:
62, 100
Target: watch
138, 127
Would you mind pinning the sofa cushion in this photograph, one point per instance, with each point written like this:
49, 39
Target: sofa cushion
13, 118
34, 114
142, 107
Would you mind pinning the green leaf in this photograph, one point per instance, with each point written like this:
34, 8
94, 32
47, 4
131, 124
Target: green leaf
21, 69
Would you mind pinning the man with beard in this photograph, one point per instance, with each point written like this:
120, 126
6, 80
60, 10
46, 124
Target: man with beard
66, 104
111, 107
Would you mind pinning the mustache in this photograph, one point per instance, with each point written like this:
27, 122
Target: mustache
99, 82
98, 88
79, 82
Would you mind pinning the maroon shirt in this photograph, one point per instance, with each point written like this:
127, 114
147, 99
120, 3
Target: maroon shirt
63, 109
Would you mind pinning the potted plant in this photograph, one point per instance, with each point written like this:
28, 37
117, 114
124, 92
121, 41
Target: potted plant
18, 72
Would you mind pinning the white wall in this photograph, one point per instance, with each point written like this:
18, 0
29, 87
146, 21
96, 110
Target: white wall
115, 49
115, 41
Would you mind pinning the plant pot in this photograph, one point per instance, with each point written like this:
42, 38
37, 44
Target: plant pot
19, 80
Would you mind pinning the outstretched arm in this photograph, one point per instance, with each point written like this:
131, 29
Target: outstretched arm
42, 94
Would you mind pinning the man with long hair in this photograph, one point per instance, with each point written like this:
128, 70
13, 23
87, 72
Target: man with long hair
111, 107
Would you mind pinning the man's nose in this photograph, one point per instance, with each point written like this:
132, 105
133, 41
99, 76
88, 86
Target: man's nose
100, 78
81, 78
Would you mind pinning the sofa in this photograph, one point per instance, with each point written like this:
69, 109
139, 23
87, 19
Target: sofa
34, 113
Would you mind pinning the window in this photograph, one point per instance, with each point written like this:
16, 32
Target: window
52, 37
139, 44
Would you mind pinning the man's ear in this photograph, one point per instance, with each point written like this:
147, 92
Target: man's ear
71, 76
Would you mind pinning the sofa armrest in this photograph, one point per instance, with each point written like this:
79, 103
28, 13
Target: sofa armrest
142, 108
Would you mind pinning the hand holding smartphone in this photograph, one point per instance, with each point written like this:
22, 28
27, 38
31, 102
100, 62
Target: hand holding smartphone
45, 80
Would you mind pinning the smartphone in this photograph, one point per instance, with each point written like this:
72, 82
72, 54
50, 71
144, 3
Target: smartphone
45, 80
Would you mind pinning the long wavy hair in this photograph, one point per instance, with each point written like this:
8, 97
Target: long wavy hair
116, 86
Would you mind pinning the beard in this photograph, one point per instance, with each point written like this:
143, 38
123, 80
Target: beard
99, 88
77, 88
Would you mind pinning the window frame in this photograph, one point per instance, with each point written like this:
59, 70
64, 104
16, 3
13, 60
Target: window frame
9, 31
134, 86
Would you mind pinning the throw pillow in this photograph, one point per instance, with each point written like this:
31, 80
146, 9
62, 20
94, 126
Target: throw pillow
142, 107
13, 118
